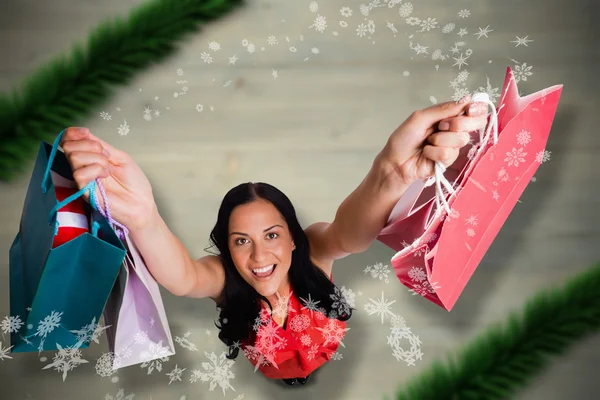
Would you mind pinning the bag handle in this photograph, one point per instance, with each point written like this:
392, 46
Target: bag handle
439, 179
90, 188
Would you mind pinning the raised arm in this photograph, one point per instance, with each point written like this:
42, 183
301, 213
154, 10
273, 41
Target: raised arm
132, 204
171, 264
408, 156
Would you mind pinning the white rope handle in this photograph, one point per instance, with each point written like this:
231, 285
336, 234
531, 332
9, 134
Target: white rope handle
439, 178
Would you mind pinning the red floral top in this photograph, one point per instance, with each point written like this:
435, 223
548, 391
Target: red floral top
306, 343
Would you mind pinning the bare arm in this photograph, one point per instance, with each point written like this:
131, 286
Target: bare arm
360, 217
171, 264
408, 155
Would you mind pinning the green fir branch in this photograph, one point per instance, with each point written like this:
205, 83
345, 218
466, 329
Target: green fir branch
506, 357
67, 89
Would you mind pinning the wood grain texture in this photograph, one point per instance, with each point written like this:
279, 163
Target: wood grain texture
313, 132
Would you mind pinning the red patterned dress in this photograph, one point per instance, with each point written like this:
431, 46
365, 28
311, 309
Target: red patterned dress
307, 342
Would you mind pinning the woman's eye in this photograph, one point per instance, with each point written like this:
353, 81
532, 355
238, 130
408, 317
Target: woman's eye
239, 241
272, 235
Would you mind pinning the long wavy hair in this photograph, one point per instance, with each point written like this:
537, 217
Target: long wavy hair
239, 304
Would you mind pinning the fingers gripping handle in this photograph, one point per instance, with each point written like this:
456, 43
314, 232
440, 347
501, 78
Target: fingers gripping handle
439, 179
89, 188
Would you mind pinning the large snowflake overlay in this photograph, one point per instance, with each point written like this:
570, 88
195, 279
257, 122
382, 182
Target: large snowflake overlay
333, 332
217, 372
400, 332
4, 352
90, 332
380, 307
267, 343
66, 359
105, 365
156, 354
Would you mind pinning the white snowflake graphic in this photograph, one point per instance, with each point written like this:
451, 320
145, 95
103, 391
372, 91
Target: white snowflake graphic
380, 307
515, 157
156, 354
417, 274
340, 303
214, 46
4, 352
464, 13
523, 137
472, 220
207, 58
123, 128
185, 342
105, 364
405, 10
543, 156
521, 71
319, 24
11, 324
217, 371
175, 374
66, 359
399, 333
90, 332
48, 324
333, 332
378, 271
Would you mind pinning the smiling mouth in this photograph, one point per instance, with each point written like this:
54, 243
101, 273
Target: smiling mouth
264, 272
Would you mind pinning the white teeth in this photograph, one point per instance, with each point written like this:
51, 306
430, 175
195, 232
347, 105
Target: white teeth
263, 270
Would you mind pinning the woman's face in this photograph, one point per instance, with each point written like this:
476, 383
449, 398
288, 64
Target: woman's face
260, 245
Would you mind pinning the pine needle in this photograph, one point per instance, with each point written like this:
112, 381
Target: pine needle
506, 357
66, 90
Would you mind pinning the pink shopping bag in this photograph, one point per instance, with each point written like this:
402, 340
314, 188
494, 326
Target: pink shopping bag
441, 234
138, 331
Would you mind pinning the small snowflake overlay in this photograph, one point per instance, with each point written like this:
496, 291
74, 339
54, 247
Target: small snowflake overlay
379, 271
123, 128
175, 374
419, 283
217, 372
542, 156
185, 342
515, 157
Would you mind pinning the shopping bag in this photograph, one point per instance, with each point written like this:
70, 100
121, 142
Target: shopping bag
441, 233
138, 329
57, 294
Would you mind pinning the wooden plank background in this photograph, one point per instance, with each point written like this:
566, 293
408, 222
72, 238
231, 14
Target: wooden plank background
313, 133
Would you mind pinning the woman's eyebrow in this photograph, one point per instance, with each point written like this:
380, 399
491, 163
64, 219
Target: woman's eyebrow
245, 234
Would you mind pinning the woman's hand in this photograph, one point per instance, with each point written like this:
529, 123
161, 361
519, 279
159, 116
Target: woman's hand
128, 191
434, 134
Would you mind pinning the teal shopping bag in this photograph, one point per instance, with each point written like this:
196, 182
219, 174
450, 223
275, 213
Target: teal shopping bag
58, 295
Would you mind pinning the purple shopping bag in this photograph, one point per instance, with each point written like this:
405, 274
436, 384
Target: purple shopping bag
138, 331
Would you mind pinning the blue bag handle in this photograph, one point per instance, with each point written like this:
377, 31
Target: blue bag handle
90, 188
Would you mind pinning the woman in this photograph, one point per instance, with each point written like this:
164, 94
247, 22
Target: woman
271, 279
